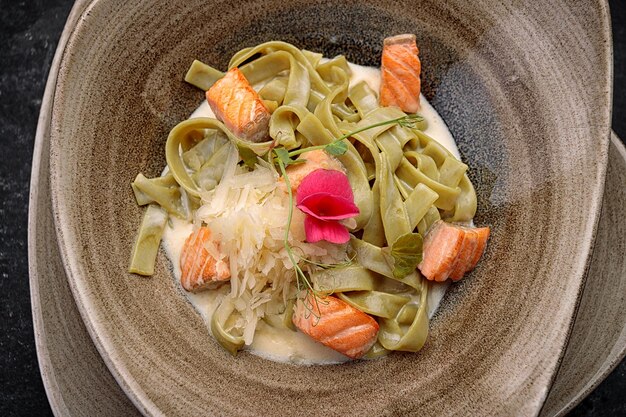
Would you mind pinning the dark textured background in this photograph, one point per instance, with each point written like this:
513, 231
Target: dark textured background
29, 31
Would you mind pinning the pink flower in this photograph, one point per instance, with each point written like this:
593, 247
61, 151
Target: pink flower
326, 197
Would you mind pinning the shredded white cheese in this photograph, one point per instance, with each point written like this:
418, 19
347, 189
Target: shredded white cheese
247, 214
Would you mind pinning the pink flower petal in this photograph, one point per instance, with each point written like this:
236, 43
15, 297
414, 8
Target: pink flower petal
324, 206
317, 230
325, 181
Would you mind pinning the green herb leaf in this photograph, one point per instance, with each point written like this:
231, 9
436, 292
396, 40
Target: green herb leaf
405, 254
336, 148
283, 156
248, 156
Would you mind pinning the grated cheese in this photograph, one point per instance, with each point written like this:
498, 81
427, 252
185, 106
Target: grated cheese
247, 214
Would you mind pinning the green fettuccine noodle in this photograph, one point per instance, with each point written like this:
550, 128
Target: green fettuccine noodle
222, 317
351, 278
202, 76
148, 240
379, 304
282, 320
154, 191
377, 351
395, 334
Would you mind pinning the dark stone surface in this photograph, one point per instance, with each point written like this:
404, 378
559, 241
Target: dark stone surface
29, 31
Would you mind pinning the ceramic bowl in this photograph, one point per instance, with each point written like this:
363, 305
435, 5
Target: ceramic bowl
512, 86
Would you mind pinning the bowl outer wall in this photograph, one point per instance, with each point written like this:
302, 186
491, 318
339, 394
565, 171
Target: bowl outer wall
74, 376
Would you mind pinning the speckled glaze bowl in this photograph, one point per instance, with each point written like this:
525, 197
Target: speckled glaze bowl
513, 87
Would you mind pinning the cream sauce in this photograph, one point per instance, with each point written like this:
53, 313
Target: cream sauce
284, 345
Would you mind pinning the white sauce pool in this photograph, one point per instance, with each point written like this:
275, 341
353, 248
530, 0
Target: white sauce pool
285, 345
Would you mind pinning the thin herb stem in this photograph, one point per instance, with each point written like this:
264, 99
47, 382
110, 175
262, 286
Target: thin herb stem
326, 266
299, 273
400, 120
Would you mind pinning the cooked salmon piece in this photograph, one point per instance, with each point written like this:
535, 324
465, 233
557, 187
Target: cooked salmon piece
466, 254
199, 270
442, 246
450, 251
234, 102
315, 160
336, 324
483, 237
400, 73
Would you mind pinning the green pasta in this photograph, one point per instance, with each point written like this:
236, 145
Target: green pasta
379, 304
148, 240
418, 203
394, 335
219, 323
396, 220
154, 191
165, 182
402, 180
202, 75
210, 173
377, 351
351, 278
200, 153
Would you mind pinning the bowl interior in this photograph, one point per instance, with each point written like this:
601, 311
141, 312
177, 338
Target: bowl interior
515, 92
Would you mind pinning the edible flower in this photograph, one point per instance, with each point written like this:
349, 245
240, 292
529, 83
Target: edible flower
325, 196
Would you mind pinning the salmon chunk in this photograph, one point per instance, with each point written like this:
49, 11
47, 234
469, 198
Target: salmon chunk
400, 74
234, 102
483, 237
450, 250
200, 270
315, 160
466, 254
336, 324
